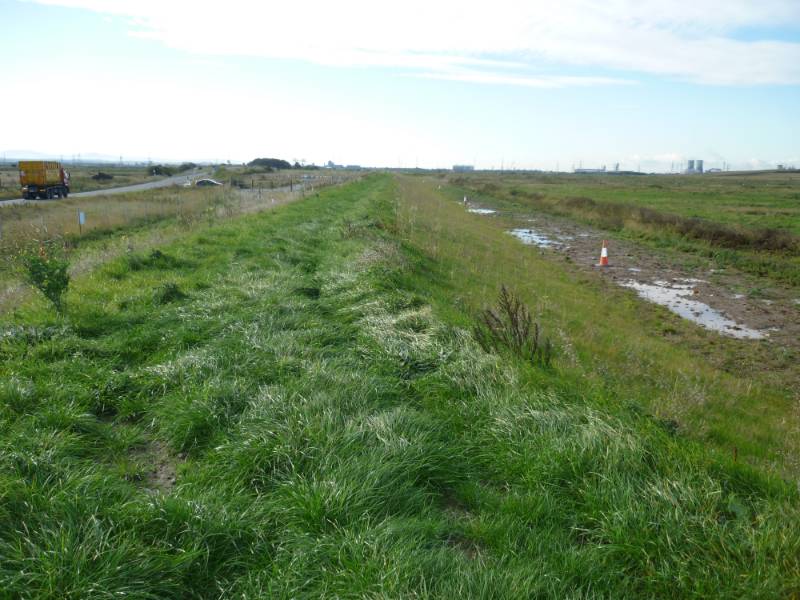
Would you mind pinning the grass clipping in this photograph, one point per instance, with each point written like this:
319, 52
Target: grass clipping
509, 328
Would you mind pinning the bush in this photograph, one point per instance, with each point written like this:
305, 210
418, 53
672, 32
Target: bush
509, 327
162, 170
273, 163
48, 274
100, 176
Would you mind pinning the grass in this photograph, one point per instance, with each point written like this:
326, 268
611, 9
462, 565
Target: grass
262, 178
337, 432
80, 178
58, 219
116, 224
758, 201
728, 393
748, 222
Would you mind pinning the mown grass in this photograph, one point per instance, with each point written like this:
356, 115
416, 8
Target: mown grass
751, 223
336, 433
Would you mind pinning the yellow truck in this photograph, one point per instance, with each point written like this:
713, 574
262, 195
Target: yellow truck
43, 179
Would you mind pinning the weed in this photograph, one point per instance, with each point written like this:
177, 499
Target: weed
510, 327
48, 274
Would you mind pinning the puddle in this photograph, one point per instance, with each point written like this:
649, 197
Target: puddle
534, 238
634, 269
677, 298
481, 211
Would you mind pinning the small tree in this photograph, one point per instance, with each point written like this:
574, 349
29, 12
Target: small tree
49, 275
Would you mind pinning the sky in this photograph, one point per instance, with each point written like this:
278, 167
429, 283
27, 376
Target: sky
504, 84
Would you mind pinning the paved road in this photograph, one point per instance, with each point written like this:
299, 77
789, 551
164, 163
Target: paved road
176, 180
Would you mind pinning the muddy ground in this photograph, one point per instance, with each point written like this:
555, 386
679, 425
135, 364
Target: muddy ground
749, 309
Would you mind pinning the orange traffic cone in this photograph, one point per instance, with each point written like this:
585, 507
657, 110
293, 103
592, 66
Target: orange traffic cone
604, 255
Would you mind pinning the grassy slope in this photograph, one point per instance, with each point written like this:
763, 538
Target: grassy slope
335, 436
613, 342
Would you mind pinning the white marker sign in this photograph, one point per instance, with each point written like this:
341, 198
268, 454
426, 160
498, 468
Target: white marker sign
81, 218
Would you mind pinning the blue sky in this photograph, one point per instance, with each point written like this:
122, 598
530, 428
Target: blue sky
525, 85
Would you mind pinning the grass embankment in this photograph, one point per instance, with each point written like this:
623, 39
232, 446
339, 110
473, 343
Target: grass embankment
751, 223
615, 344
335, 436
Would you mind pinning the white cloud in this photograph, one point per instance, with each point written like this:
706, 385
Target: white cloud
693, 41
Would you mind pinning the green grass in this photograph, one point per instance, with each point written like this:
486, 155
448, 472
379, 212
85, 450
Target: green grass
746, 222
337, 432
763, 200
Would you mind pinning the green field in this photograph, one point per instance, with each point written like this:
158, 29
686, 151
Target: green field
292, 404
746, 221
766, 200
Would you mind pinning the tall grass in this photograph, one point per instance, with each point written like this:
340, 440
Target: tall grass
24, 224
351, 441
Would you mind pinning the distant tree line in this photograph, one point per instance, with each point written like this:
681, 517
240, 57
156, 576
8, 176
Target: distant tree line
171, 170
275, 164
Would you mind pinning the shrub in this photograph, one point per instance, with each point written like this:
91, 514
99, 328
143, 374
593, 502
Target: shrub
162, 170
509, 327
49, 275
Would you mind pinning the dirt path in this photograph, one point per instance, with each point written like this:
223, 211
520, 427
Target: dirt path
731, 303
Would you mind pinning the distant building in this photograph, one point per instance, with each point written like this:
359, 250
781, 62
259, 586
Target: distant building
695, 167
463, 168
585, 171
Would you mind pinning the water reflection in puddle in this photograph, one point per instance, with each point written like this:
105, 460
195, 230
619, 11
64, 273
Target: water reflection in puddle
482, 211
533, 237
676, 297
